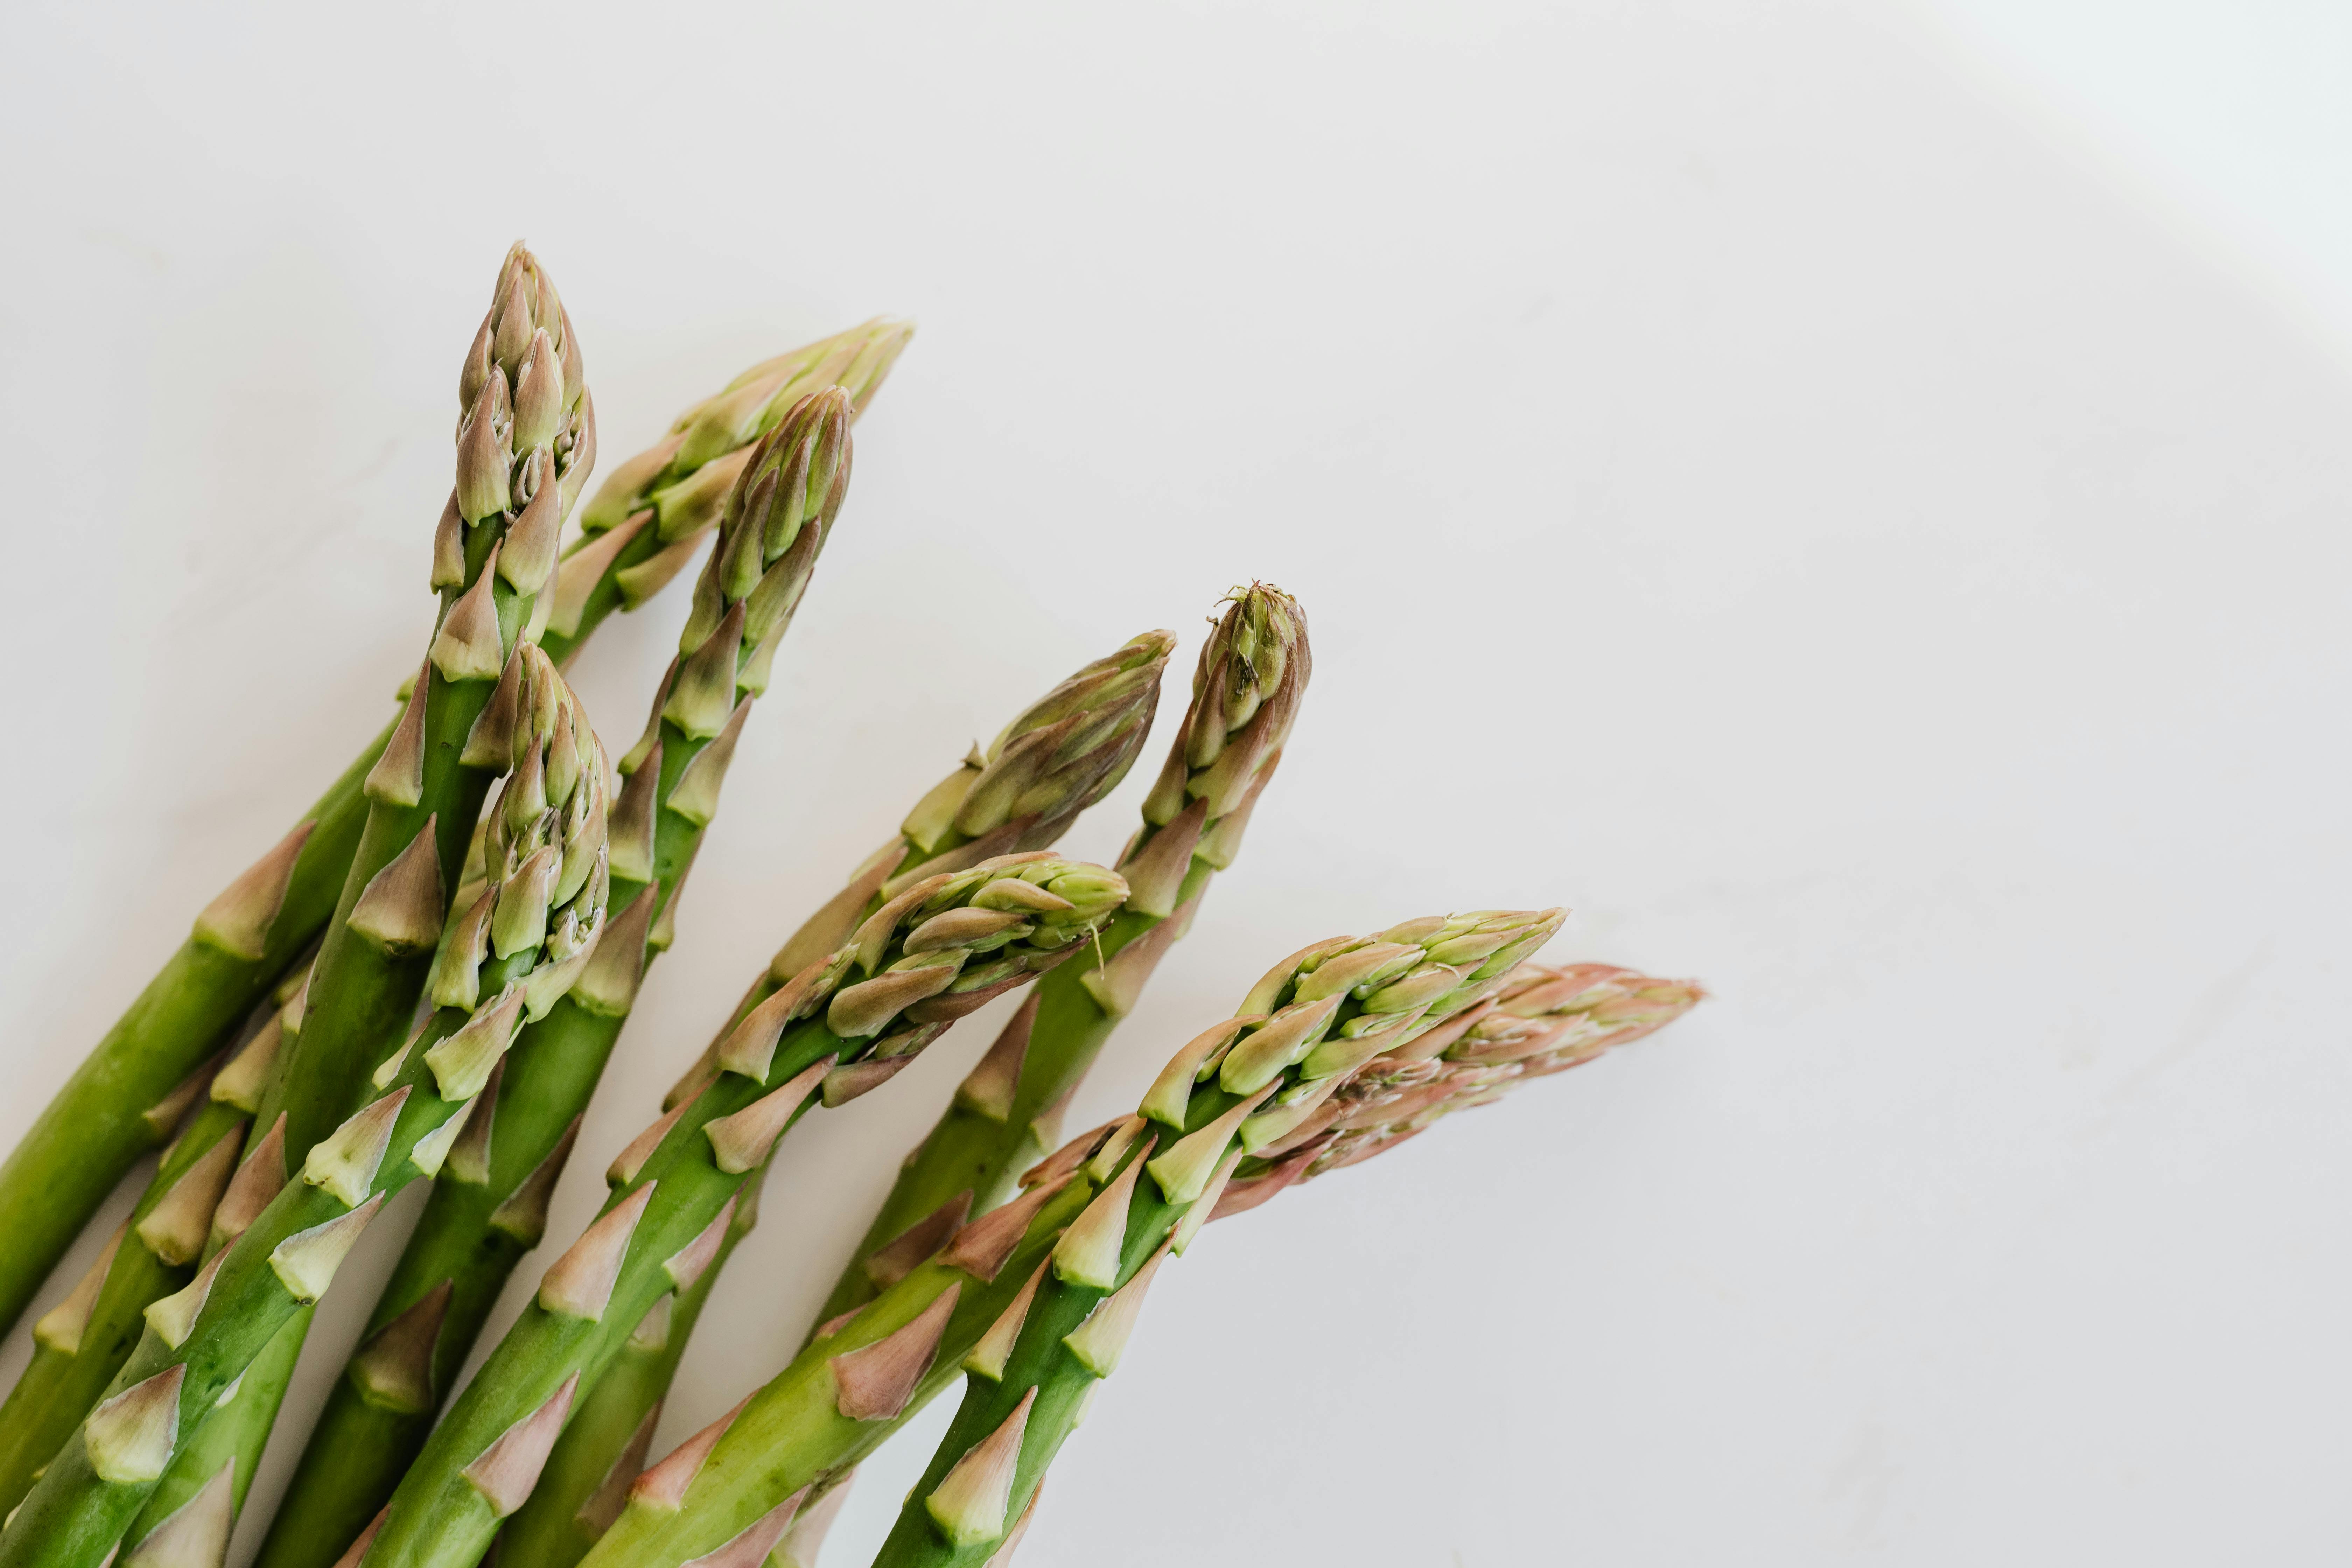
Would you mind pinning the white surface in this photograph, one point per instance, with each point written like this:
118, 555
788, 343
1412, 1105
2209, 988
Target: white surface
1753, 480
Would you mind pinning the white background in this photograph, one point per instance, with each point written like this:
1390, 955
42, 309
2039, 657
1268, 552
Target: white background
1851, 498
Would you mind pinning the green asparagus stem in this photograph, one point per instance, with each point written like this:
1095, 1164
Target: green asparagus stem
516, 953
739, 1483
1252, 675
1055, 761
78, 1347
1035, 1377
490, 1208
107, 1115
942, 948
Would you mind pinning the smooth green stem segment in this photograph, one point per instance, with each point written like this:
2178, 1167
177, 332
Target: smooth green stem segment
363, 1443
97, 1127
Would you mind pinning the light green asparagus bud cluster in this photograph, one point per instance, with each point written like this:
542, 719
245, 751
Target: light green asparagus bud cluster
526, 441
680, 487
1545, 1020
845, 1024
285, 1232
1059, 757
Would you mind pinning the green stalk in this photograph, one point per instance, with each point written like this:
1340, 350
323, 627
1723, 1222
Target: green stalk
1055, 759
490, 1211
1252, 675
106, 1117
739, 1483
941, 949
514, 954
78, 1347
1035, 1377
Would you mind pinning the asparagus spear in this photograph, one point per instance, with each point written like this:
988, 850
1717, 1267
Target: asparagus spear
490, 1206
943, 947
118, 1103
726, 1495
78, 1346
519, 948
1252, 675
1059, 757
1227, 1147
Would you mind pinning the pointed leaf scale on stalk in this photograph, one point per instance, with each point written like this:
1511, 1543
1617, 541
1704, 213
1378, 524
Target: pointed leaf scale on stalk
400, 909
130, 1437
875, 1381
394, 1366
305, 1262
256, 1182
898, 1259
427, 1152
196, 1534
741, 1142
1099, 1340
695, 797
523, 1215
970, 1501
750, 1546
243, 1082
470, 644
989, 1088
685, 1266
665, 1485
982, 1249
175, 1228
580, 1283
345, 1161
398, 776
238, 922
175, 1315
508, 1469
703, 696
993, 1349
60, 1327
1088, 1254
608, 986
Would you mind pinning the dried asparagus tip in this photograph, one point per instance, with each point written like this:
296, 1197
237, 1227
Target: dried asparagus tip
174, 1229
195, 1534
897, 1258
400, 909
523, 1216
874, 1382
1088, 1254
393, 1367
968, 1505
398, 776
994, 1348
982, 1249
256, 1181
130, 1437
344, 1163
664, 1486
580, 1283
60, 1327
508, 1469
740, 1142
750, 1545
1099, 1342
306, 1261
989, 1088
175, 1315
238, 922
687, 1264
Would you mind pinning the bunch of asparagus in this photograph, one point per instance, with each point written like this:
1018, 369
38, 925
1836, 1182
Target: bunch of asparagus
425, 979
